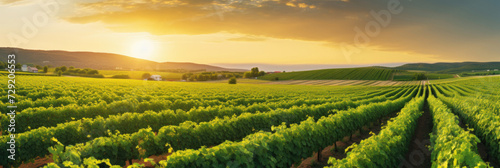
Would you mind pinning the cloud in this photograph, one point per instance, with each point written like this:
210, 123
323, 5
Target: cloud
450, 29
14, 2
247, 38
9, 1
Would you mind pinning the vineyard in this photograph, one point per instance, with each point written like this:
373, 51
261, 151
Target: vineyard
345, 73
84, 122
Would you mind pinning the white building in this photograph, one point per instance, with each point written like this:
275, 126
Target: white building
24, 67
27, 68
156, 77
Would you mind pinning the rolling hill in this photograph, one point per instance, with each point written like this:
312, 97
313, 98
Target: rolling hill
101, 61
344, 74
403, 72
450, 67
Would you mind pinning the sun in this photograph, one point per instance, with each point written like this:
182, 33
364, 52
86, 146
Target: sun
143, 49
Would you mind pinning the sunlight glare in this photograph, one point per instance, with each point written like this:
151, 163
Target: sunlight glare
143, 49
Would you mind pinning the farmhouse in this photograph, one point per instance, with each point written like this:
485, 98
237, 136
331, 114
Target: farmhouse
156, 77
32, 69
27, 68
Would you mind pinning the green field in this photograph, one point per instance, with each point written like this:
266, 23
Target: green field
134, 74
86, 121
408, 76
5, 73
138, 74
345, 74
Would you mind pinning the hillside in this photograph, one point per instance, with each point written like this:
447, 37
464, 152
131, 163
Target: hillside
344, 74
450, 67
101, 61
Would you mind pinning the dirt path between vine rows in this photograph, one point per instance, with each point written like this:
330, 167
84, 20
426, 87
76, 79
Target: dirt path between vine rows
419, 154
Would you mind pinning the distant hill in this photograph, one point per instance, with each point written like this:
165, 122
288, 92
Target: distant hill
344, 74
101, 61
451, 67
433, 71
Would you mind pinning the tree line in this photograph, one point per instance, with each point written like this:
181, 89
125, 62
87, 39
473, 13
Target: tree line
40, 68
254, 72
85, 72
206, 76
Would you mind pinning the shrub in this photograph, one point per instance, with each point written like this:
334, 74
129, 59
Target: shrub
232, 80
92, 72
146, 76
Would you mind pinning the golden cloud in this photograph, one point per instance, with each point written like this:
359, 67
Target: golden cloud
313, 20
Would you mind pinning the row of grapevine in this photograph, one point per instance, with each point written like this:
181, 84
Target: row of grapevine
49, 117
486, 124
87, 129
286, 145
191, 135
452, 146
384, 149
53, 116
36, 88
489, 102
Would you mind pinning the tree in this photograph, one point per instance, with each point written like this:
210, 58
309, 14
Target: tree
92, 72
45, 69
232, 80
419, 76
255, 72
247, 75
71, 67
18, 66
186, 76
57, 69
63, 68
38, 67
146, 75
59, 73
262, 73
276, 78
83, 71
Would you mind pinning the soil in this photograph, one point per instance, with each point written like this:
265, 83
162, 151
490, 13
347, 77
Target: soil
420, 142
40, 162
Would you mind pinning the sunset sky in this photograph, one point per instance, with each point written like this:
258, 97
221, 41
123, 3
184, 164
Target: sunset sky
260, 31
